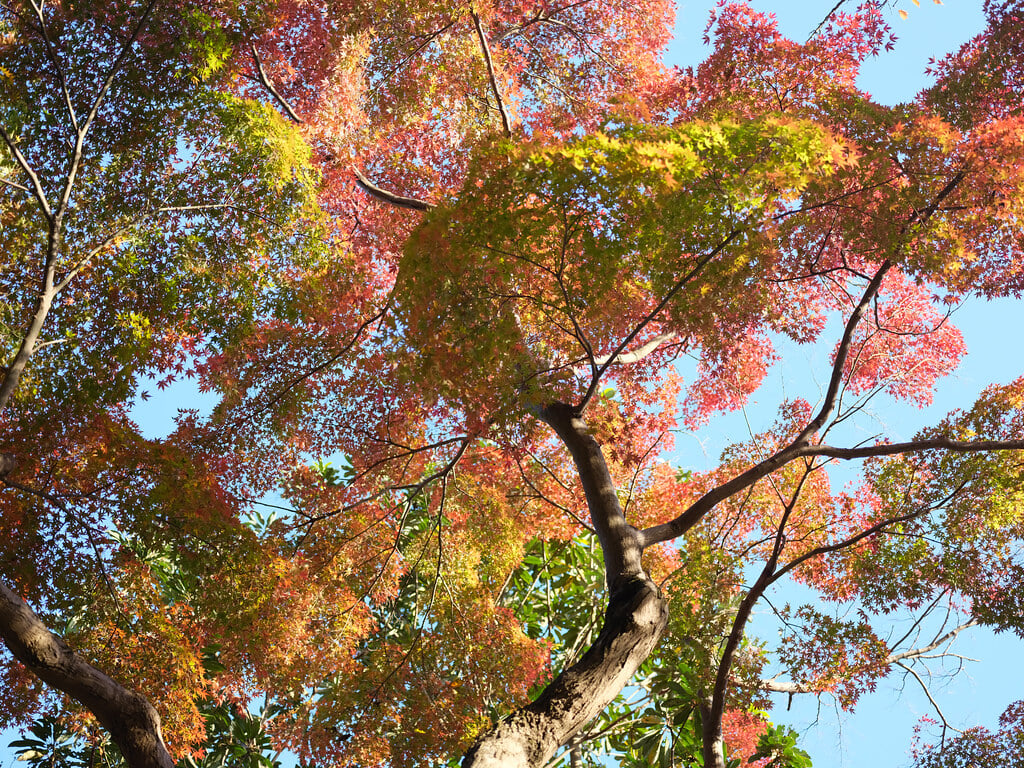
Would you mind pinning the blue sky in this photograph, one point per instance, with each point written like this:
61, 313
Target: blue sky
880, 731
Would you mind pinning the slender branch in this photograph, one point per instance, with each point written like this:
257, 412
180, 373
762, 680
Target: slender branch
638, 354
786, 686
265, 81
15, 185
506, 123
320, 367
680, 284
52, 55
867, 532
896, 658
824, 21
829, 403
912, 446
390, 197
86, 529
37, 187
713, 743
108, 81
928, 693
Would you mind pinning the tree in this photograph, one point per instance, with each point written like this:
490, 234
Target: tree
440, 263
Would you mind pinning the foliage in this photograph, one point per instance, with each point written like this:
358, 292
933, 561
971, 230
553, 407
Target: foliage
455, 277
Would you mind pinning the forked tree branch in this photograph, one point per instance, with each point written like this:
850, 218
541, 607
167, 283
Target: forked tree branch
702, 262
895, 658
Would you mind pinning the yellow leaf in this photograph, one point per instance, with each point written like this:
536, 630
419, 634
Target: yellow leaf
903, 14
916, 2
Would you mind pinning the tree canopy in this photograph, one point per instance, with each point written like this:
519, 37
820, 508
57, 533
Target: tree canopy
456, 276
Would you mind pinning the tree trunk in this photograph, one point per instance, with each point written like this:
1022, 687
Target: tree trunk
634, 621
713, 743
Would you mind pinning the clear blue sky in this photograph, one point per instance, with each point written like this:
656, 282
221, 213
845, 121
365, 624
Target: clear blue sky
879, 733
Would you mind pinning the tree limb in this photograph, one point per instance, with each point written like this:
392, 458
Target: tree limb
131, 720
912, 446
390, 197
265, 81
787, 686
634, 620
506, 123
638, 354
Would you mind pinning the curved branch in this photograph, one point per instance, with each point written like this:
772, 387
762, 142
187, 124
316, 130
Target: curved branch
131, 720
619, 540
634, 620
390, 197
638, 354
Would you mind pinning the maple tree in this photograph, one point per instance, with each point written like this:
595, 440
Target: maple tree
440, 264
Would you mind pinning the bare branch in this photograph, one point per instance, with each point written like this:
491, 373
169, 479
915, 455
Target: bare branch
265, 81
915, 653
638, 354
390, 197
928, 693
37, 187
824, 21
912, 446
15, 185
485, 49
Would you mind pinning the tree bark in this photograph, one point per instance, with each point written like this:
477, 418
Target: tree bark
634, 620
132, 722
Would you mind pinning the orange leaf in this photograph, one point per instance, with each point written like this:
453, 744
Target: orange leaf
903, 14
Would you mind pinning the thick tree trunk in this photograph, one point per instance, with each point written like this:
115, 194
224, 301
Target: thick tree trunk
634, 620
132, 722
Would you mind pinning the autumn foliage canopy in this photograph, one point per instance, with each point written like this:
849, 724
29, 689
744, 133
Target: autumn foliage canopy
455, 277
